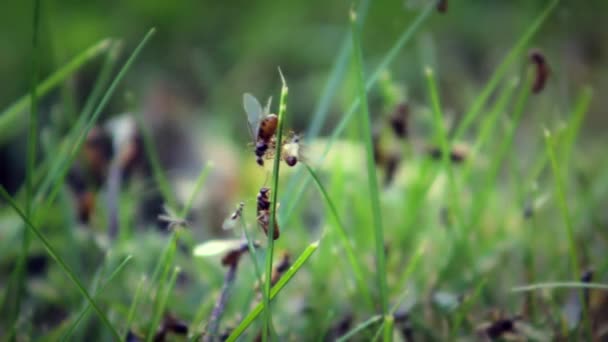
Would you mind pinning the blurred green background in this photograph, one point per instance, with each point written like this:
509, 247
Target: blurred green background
207, 53
189, 81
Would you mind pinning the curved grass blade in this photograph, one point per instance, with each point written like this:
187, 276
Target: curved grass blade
157, 171
11, 120
18, 278
348, 248
59, 178
501, 71
273, 208
134, 303
200, 181
162, 303
366, 131
321, 111
560, 190
294, 196
560, 285
52, 252
82, 314
47, 173
360, 327
297, 265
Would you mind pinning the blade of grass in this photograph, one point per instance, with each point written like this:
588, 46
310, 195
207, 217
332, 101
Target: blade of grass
134, 303
162, 303
560, 190
342, 233
441, 134
85, 310
481, 200
47, 174
360, 327
329, 91
59, 178
292, 197
560, 285
575, 122
18, 278
52, 252
489, 123
406, 274
11, 120
157, 171
413, 262
297, 265
465, 307
501, 71
389, 322
165, 261
273, 210
366, 131
200, 181
102, 79
336, 76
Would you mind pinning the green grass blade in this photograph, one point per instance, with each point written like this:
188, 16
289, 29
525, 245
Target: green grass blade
481, 200
294, 196
273, 210
360, 327
157, 171
134, 304
513, 55
85, 310
164, 264
297, 265
560, 190
59, 178
560, 285
54, 164
18, 278
200, 181
414, 260
465, 307
11, 120
489, 123
575, 122
102, 79
162, 303
366, 131
337, 74
342, 233
52, 252
444, 143
389, 322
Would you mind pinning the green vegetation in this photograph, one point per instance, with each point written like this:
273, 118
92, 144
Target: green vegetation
450, 202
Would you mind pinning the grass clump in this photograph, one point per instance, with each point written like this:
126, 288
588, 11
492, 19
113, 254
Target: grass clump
453, 246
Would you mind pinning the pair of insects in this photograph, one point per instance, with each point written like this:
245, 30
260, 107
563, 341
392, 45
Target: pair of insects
263, 214
262, 127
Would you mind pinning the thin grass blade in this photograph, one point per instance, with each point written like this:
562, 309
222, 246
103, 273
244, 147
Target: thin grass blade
52, 252
290, 273
366, 131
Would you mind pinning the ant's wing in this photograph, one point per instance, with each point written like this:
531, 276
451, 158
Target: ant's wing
216, 247
267, 108
253, 108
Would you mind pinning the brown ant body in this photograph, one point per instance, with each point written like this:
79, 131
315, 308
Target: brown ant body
263, 211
